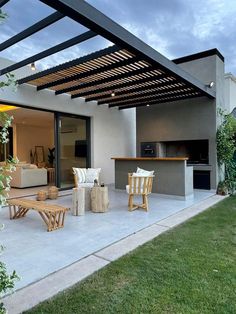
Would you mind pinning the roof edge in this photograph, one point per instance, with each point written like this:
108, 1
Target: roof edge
90, 17
199, 55
230, 76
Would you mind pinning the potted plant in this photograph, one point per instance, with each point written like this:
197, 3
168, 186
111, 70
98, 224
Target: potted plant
51, 156
222, 188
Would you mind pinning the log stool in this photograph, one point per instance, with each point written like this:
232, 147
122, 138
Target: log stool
53, 192
99, 199
42, 195
78, 201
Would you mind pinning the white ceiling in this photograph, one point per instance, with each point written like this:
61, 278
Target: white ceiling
32, 117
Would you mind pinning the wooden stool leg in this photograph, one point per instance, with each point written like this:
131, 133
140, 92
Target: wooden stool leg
10, 211
146, 203
50, 222
63, 219
131, 200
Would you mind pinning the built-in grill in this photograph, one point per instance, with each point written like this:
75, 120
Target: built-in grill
197, 152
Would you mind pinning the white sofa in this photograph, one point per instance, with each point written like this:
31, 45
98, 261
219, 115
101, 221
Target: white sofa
28, 177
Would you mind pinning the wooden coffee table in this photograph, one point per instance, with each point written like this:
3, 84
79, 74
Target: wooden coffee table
52, 215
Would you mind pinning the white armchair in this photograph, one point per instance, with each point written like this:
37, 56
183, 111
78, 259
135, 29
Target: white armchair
84, 178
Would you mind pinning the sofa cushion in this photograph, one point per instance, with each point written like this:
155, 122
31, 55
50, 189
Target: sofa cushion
23, 166
32, 166
92, 174
144, 172
22, 178
86, 185
80, 174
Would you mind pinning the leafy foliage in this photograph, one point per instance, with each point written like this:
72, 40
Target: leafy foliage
7, 281
226, 149
2, 16
10, 81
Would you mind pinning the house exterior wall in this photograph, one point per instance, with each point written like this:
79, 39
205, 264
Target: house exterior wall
230, 91
112, 131
189, 119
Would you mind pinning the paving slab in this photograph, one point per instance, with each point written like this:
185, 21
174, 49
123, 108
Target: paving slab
30, 296
116, 250
187, 213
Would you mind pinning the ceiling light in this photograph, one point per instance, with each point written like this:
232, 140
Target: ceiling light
211, 84
33, 68
113, 94
7, 108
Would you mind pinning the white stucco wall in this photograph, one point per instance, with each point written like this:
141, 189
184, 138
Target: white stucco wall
230, 91
113, 131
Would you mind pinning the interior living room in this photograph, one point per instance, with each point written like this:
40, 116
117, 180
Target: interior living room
47, 145
31, 140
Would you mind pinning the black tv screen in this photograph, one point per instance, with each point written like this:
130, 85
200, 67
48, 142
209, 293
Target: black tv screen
80, 148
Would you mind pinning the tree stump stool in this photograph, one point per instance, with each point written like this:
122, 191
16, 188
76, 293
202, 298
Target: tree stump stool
99, 199
42, 195
78, 201
53, 192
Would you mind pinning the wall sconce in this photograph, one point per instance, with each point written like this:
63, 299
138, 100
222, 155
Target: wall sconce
211, 84
33, 67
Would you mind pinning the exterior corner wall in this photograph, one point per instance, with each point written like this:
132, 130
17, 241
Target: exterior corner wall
190, 119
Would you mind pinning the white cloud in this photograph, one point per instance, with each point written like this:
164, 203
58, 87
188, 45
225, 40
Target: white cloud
211, 16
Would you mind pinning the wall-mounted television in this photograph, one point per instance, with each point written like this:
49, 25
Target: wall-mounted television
81, 148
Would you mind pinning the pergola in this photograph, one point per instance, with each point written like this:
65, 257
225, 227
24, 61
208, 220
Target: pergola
128, 74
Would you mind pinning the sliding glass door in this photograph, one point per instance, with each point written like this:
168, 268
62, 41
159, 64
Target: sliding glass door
73, 147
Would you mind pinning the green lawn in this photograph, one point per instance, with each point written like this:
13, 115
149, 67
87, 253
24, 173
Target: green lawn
190, 269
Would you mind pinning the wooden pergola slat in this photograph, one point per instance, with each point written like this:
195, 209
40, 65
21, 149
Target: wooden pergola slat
150, 96
89, 73
156, 101
135, 88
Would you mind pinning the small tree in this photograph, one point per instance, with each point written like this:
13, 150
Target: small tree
226, 150
6, 280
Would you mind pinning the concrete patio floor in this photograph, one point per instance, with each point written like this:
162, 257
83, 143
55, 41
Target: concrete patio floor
35, 253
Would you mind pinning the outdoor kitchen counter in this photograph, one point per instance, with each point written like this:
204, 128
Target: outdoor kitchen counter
172, 175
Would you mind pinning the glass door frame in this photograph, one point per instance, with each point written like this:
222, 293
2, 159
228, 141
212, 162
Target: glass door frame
57, 122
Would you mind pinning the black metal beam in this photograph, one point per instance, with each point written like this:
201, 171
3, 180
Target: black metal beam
85, 14
150, 94
155, 102
110, 80
3, 2
87, 74
66, 44
152, 98
113, 87
54, 17
134, 89
66, 65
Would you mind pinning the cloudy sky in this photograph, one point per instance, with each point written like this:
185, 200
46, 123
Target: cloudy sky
175, 28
